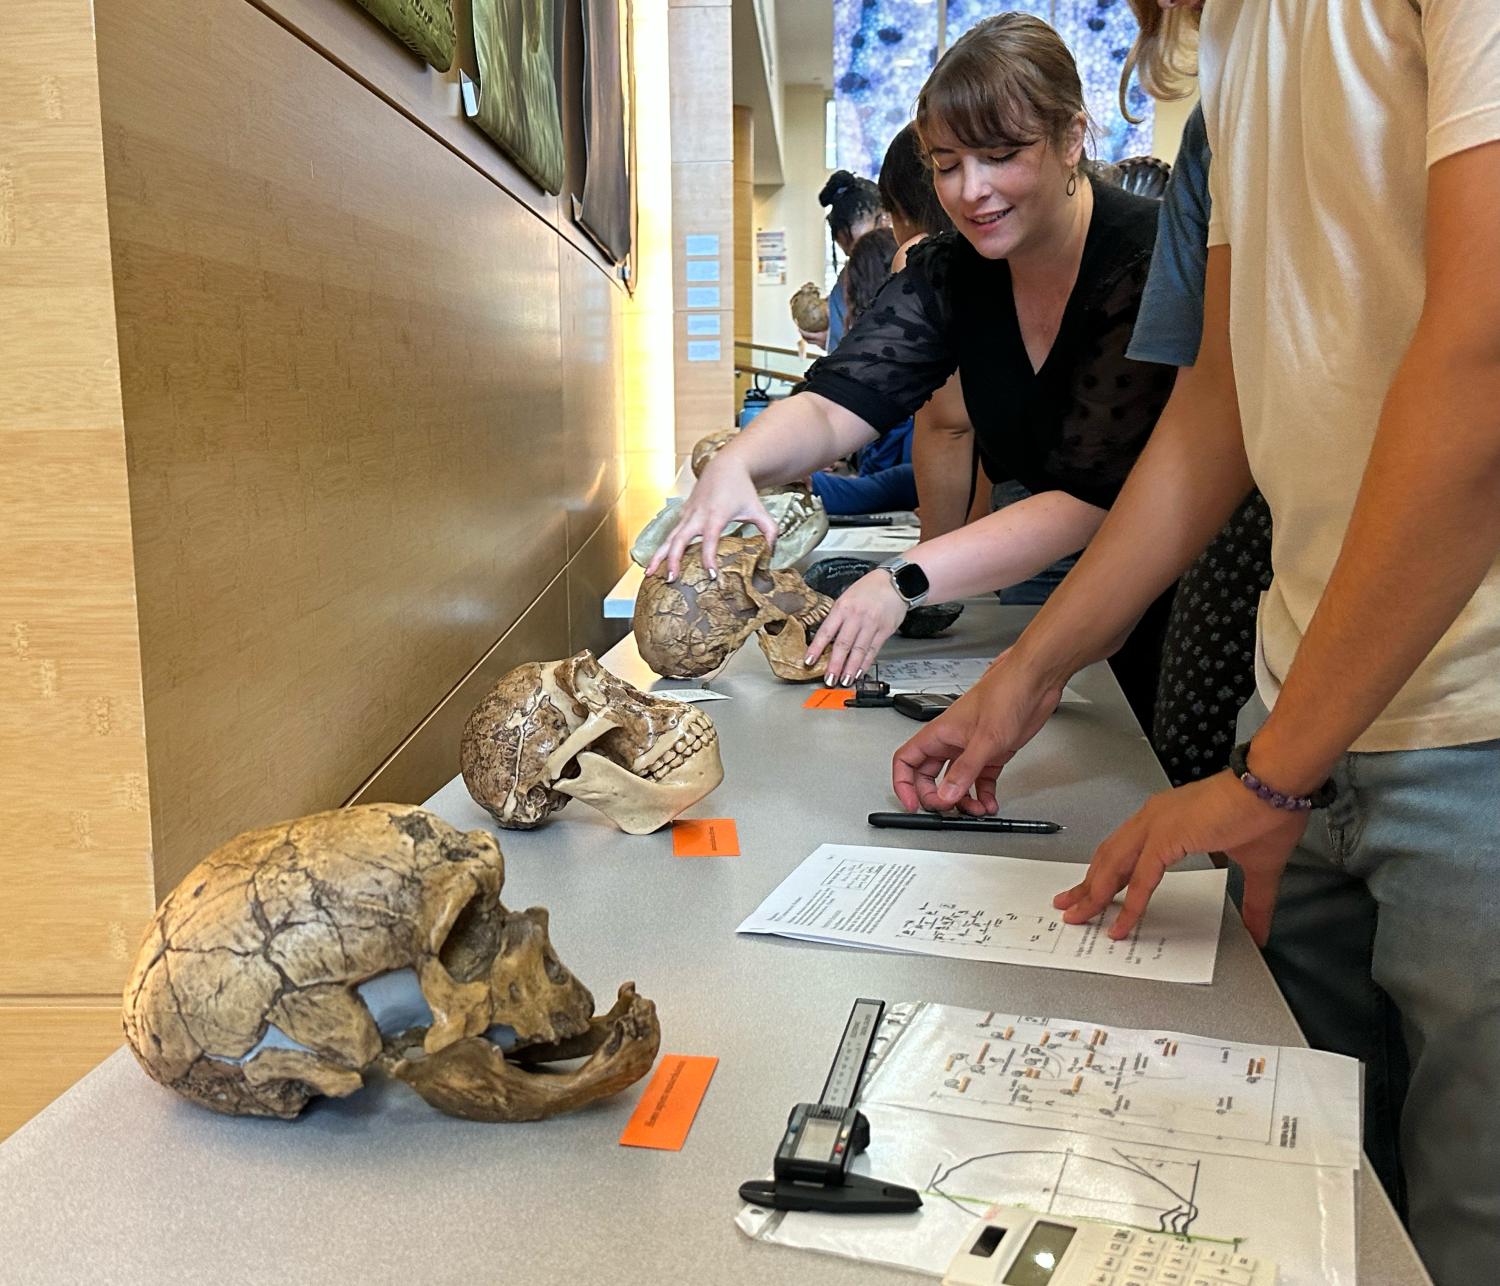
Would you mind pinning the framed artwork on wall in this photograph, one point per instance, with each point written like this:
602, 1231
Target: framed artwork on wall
605, 208
515, 101
423, 26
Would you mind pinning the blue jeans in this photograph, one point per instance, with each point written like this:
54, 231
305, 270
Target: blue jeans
1386, 944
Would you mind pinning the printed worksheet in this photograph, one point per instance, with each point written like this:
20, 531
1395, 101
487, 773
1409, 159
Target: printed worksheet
689, 695
975, 906
1122, 1083
943, 674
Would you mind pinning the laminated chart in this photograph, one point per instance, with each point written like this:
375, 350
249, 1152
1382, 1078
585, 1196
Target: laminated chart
944, 674
1237, 1148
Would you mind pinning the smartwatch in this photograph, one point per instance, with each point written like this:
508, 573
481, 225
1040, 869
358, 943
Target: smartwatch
910, 581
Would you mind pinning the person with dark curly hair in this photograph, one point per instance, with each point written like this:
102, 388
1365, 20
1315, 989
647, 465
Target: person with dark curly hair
854, 208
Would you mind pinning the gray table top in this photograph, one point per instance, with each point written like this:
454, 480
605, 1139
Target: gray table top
121, 1181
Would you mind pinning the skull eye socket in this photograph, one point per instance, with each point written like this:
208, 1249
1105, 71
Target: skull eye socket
762, 581
474, 940
773, 628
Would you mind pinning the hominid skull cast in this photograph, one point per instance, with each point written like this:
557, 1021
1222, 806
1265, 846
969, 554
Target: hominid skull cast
548, 732
691, 626
293, 960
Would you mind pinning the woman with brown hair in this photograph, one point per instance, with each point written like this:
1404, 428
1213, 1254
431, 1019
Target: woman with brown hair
1031, 300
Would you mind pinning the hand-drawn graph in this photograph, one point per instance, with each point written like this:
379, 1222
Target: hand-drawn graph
968, 927
1131, 1187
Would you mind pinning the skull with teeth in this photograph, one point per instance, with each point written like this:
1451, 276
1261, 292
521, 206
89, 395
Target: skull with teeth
295, 960
691, 626
547, 733
801, 521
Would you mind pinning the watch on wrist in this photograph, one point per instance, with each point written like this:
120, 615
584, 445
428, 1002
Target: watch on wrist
1239, 765
910, 581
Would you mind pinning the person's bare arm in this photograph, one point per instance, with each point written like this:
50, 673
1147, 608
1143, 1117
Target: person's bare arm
1001, 549
1424, 532
1183, 488
788, 440
942, 457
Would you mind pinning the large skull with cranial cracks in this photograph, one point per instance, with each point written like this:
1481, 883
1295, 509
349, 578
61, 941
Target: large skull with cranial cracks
295, 960
559, 730
691, 626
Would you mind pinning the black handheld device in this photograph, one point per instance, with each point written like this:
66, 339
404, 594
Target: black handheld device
811, 1168
922, 705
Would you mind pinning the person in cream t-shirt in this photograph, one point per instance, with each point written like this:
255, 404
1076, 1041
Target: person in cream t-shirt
1350, 367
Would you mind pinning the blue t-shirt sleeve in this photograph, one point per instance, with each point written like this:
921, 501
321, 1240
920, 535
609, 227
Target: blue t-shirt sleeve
1169, 326
836, 313
893, 488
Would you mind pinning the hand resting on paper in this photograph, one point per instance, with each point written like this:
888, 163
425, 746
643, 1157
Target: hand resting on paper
1215, 815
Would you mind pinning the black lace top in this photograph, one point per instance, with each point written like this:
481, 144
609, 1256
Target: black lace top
1077, 424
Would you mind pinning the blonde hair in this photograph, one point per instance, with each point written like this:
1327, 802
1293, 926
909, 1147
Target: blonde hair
1164, 55
1007, 81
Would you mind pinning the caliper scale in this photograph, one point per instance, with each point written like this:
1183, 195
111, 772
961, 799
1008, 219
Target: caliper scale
812, 1162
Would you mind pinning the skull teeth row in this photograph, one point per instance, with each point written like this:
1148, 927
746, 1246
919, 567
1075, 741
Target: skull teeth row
696, 734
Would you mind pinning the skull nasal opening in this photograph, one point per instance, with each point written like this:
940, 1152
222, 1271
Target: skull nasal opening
474, 939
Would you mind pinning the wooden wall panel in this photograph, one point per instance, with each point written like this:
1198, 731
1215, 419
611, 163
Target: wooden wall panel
592, 442
429, 757
75, 870
592, 573
44, 1049
744, 223
340, 348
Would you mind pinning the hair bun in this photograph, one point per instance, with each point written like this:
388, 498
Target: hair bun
839, 182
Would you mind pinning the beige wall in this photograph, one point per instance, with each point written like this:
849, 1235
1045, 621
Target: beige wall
702, 132
793, 207
369, 395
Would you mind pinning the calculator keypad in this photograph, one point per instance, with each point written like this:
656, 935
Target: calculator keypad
1133, 1258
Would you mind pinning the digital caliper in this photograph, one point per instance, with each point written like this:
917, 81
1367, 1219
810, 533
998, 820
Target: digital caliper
812, 1161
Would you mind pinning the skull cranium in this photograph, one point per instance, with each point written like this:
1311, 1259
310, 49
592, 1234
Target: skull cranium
548, 732
691, 626
293, 960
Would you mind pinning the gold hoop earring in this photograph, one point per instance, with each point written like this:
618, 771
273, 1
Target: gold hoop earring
1072, 183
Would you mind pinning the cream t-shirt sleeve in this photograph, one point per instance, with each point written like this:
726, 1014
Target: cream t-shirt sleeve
1462, 39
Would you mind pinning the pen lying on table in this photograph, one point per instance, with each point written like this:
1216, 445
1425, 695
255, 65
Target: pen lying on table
949, 822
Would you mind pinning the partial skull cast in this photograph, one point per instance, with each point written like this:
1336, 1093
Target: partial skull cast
691, 626
294, 960
559, 730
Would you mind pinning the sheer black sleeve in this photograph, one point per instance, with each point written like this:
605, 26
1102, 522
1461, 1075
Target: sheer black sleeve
1115, 401
900, 349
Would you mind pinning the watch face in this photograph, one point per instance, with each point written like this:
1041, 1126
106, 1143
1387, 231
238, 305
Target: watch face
911, 580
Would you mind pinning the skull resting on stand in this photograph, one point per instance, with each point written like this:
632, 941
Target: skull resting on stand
559, 730
294, 960
691, 626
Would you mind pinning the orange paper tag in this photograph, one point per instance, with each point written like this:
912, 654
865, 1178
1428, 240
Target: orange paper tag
828, 699
665, 1113
705, 837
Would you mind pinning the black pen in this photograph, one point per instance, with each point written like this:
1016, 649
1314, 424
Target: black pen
945, 822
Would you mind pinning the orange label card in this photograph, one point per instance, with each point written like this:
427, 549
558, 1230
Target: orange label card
828, 699
705, 837
665, 1113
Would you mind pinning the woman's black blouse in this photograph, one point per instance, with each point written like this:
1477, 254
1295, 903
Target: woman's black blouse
1078, 424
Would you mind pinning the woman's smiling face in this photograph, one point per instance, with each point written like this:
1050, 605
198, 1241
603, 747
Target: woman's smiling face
1001, 197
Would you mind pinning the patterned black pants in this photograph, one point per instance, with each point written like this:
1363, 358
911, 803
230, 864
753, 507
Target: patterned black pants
1208, 660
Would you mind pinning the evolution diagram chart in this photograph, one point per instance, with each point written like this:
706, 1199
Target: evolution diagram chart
1251, 1147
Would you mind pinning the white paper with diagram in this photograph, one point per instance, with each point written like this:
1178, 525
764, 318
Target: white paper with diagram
943, 674
976, 906
1141, 1141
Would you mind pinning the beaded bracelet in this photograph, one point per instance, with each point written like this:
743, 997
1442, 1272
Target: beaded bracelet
1239, 765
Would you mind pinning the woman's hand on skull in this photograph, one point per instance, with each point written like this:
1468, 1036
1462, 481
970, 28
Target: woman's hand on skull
862, 618
725, 493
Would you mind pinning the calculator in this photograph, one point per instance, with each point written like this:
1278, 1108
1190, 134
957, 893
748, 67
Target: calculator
1015, 1247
